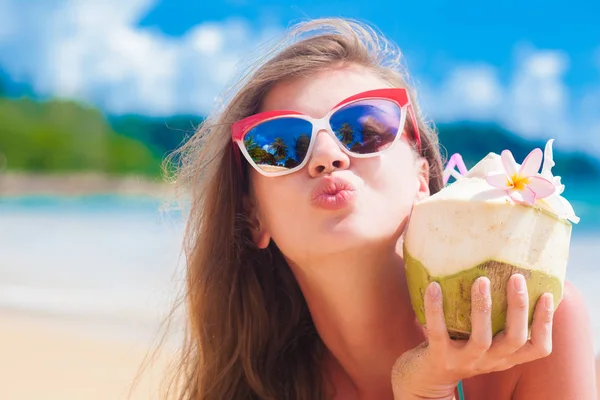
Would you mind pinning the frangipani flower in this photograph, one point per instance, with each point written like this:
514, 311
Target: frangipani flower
524, 184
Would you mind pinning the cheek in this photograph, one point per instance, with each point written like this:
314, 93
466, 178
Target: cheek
287, 218
395, 178
392, 192
278, 200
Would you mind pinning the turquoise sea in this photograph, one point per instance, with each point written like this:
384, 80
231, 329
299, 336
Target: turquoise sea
109, 262
117, 259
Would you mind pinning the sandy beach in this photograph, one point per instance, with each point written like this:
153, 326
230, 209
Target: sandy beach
43, 357
86, 281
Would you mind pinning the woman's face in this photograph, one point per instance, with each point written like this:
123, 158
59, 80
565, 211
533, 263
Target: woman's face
366, 200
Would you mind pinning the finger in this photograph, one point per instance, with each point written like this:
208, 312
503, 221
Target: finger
540, 344
481, 317
437, 333
517, 317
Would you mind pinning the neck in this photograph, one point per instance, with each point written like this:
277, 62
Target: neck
360, 305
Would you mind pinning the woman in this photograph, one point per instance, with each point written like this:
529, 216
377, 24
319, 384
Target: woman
295, 283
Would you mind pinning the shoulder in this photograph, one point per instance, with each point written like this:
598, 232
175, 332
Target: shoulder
571, 320
570, 329
569, 370
572, 301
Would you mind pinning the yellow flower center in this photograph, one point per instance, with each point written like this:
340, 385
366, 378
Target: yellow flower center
519, 182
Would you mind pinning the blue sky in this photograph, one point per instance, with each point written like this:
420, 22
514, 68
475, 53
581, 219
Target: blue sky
534, 68
460, 31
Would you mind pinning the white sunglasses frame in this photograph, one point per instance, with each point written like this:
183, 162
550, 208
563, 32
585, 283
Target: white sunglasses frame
322, 124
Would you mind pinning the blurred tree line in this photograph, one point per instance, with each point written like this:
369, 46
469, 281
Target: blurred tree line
475, 140
63, 136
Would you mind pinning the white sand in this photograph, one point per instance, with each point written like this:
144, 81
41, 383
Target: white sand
44, 358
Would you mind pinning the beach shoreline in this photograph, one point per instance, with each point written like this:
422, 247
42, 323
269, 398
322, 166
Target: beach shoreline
16, 184
85, 284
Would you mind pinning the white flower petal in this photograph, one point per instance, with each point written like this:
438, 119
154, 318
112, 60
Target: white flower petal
529, 196
500, 181
531, 164
519, 196
541, 187
510, 165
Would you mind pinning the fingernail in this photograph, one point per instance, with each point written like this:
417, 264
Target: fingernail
434, 291
519, 283
483, 286
549, 302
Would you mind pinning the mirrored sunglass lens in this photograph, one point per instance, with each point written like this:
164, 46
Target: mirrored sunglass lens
367, 126
279, 144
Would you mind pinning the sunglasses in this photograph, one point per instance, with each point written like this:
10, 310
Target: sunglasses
278, 143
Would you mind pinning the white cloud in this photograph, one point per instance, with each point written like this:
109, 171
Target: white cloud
538, 98
533, 101
588, 116
94, 51
6, 23
471, 92
207, 39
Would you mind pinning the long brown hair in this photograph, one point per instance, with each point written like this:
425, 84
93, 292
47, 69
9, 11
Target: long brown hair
250, 334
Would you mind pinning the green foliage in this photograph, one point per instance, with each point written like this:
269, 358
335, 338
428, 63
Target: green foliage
301, 146
475, 140
162, 136
346, 133
62, 136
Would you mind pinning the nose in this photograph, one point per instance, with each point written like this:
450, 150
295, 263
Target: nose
326, 156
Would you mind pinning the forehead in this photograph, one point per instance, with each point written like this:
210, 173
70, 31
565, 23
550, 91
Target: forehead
316, 94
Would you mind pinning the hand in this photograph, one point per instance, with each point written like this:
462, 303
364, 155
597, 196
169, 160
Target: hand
432, 370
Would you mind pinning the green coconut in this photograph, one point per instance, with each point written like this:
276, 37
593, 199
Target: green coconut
470, 229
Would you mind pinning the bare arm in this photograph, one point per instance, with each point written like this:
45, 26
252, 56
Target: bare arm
569, 371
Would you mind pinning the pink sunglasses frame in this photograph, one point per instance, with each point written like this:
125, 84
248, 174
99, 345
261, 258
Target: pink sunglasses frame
399, 96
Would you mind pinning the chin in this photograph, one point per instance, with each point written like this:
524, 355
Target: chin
353, 231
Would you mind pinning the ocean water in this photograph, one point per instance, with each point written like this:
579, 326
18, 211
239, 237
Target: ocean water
118, 259
106, 262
